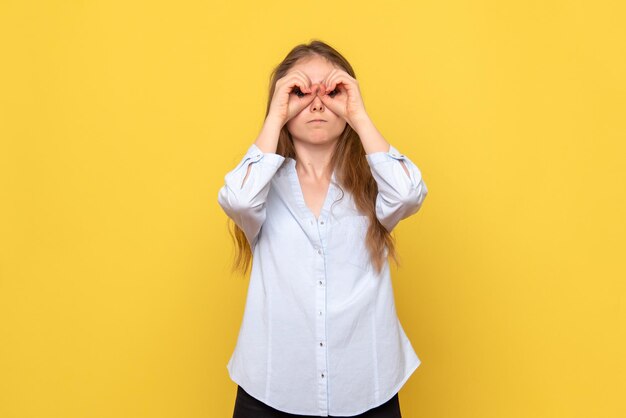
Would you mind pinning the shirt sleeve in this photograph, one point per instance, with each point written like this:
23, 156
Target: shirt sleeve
399, 195
243, 202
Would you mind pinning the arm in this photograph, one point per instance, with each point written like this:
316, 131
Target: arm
401, 188
246, 187
372, 140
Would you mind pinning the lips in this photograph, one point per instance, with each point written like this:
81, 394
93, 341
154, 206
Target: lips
316, 120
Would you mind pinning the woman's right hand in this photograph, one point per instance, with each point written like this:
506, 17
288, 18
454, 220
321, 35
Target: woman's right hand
292, 93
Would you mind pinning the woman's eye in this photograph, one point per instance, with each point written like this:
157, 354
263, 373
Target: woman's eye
334, 92
298, 92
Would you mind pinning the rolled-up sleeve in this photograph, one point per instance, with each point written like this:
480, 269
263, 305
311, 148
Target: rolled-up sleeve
399, 195
244, 202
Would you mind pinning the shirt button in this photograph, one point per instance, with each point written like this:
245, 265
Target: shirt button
321, 344
322, 375
320, 311
322, 222
320, 282
319, 251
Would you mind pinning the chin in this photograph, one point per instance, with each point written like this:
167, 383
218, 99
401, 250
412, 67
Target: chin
319, 137
316, 139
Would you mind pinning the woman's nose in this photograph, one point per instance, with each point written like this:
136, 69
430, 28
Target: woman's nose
317, 104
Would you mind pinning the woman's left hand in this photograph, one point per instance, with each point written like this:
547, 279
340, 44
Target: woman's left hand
343, 97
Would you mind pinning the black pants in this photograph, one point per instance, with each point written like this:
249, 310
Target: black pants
247, 406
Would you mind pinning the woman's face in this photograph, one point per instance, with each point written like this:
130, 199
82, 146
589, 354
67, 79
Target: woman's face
301, 126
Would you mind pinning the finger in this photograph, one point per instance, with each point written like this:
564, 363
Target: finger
306, 101
309, 87
316, 89
334, 105
343, 80
300, 103
298, 89
305, 79
329, 80
302, 82
297, 104
335, 87
296, 79
335, 83
303, 101
337, 76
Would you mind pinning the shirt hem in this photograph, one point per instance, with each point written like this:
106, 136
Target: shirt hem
393, 392
263, 399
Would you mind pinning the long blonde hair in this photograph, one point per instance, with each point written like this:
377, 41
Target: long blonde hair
351, 167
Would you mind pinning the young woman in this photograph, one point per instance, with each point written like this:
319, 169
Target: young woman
313, 204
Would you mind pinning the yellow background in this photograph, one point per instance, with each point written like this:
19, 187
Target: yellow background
119, 120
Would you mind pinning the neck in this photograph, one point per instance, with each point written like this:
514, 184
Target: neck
314, 160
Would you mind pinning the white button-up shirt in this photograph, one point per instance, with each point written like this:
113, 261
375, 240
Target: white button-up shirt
320, 334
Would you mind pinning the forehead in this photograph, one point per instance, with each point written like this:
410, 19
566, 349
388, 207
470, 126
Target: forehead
315, 67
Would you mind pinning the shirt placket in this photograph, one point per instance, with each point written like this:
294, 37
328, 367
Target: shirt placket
320, 306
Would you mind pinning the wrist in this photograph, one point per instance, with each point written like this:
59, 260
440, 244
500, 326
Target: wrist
361, 122
371, 139
267, 140
274, 122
